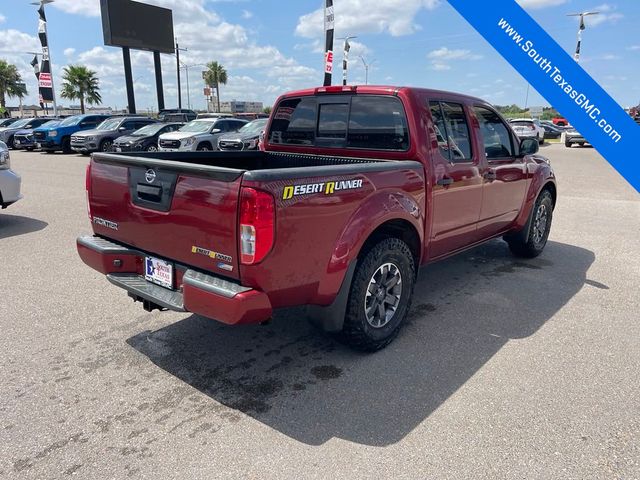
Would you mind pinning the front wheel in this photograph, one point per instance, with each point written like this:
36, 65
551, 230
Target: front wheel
204, 147
151, 148
380, 296
66, 145
531, 240
106, 145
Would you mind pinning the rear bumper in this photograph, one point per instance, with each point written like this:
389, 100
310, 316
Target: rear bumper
203, 294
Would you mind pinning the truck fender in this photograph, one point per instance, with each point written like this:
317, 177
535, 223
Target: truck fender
540, 179
334, 287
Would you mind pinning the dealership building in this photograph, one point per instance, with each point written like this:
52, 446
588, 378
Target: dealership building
235, 106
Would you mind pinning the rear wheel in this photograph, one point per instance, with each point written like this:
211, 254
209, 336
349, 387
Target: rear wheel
380, 296
531, 240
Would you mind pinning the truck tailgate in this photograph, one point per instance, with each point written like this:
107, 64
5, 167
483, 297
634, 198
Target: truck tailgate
180, 212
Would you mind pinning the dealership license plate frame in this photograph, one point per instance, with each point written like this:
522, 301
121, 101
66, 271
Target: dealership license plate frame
155, 275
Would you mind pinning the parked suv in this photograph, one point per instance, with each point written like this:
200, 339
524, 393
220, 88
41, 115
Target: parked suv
201, 134
23, 139
9, 180
7, 133
144, 139
58, 137
176, 115
528, 128
101, 138
246, 138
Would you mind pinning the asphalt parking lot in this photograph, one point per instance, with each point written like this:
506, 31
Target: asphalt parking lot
506, 369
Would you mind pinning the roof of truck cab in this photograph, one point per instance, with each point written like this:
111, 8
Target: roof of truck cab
382, 90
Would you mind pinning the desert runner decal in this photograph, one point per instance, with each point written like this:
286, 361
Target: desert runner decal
212, 254
327, 188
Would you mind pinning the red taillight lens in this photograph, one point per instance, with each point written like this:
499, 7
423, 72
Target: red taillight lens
532, 127
87, 186
257, 220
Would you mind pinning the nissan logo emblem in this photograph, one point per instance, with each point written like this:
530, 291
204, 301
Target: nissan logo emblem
150, 176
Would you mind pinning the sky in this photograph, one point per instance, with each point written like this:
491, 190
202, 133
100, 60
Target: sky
272, 46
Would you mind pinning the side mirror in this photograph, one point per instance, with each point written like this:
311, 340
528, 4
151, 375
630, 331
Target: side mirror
529, 146
216, 130
122, 129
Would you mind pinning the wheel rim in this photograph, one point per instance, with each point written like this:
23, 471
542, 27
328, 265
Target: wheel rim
383, 295
106, 146
540, 223
152, 148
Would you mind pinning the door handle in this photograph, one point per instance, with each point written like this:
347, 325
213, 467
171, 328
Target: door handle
490, 175
445, 181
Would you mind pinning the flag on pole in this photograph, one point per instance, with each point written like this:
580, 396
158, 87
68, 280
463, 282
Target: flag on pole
328, 50
45, 82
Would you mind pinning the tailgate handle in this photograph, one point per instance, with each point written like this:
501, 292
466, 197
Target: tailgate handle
150, 193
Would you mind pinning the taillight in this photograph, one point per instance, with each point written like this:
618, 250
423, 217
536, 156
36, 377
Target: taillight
257, 220
532, 127
87, 186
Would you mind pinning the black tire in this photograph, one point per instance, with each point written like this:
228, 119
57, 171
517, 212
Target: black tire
359, 331
540, 140
10, 143
151, 148
581, 144
50, 152
106, 145
531, 240
567, 144
204, 147
66, 145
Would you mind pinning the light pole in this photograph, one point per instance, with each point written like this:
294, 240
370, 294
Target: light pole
345, 56
46, 50
366, 69
186, 69
576, 56
178, 50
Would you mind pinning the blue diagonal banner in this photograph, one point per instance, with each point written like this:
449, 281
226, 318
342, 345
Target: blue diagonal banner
559, 79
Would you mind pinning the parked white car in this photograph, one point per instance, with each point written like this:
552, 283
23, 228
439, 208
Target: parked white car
528, 128
198, 135
9, 180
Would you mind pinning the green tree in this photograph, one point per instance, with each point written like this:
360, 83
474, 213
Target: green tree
10, 83
267, 110
80, 83
214, 76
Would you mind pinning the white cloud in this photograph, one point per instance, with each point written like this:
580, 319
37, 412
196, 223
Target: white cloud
540, 3
2, 18
68, 52
246, 14
363, 16
445, 53
441, 56
608, 14
89, 8
438, 66
634, 48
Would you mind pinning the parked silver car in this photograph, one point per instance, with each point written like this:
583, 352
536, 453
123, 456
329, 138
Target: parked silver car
9, 180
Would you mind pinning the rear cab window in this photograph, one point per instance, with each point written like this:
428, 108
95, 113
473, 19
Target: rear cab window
373, 122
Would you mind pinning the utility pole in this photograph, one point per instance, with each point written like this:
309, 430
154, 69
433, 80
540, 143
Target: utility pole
366, 69
576, 55
345, 57
178, 49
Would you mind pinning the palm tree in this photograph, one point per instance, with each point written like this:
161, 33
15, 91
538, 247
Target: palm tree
10, 82
80, 83
214, 76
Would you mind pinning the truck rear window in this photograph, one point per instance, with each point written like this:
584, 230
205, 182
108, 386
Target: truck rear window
366, 121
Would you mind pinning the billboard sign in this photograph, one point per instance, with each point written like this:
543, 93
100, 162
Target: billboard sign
136, 25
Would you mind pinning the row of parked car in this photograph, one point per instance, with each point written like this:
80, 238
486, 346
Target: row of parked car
92, 132
546, 129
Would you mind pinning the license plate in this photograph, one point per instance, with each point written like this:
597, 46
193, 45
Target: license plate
159, 272
118, 149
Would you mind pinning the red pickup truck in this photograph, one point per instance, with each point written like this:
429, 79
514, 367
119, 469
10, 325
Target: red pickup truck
355, 188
